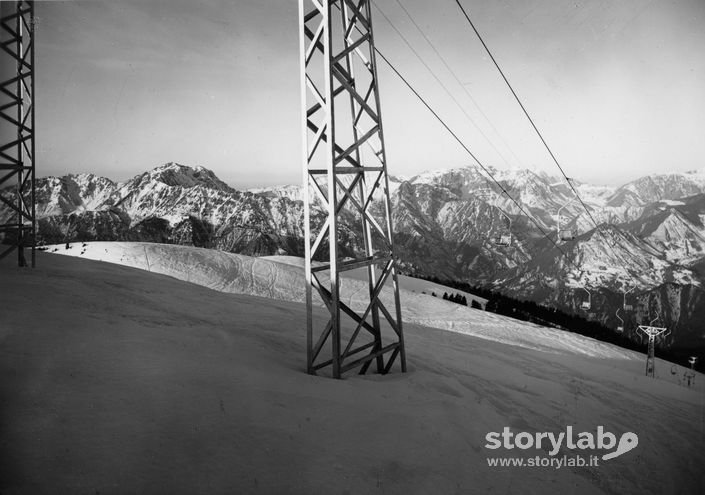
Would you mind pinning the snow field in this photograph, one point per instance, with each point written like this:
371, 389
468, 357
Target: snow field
123, 381
282, 278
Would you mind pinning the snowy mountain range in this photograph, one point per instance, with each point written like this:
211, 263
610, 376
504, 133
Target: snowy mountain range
650, 233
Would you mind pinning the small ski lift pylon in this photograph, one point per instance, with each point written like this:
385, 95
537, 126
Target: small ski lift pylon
505, 236
628, 307
565, 234
652, 332
587, 304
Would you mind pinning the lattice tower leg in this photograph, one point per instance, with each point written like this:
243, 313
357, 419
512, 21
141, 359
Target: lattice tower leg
347, 209
17, 157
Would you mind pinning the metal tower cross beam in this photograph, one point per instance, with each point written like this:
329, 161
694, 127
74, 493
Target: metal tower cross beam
17, 154
652, 333
347, 210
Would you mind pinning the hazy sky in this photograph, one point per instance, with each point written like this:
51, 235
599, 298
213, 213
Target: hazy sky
616, 86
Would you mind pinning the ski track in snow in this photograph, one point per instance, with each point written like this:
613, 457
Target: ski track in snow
282, 278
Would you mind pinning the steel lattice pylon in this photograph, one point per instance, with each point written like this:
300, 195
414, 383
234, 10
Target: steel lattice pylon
652, 332
348, 223
17, 157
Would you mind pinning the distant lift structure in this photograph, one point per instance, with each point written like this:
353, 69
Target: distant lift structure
345, 176
626, 307
620, 327
17, 142
652, 332
504, 238
586, 304
563, 233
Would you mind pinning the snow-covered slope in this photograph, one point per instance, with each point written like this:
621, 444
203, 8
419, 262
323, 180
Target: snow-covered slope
74, 193
658, 187
612, 257
118, 381
265, 277
294, 193
675, 229
406, 283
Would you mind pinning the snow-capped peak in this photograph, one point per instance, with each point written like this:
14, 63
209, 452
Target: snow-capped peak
176, 174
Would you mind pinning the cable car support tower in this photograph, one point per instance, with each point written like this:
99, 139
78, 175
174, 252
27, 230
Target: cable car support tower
652, 332
347, 210
17, 157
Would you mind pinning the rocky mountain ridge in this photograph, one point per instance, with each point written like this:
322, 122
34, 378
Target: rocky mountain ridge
650, 232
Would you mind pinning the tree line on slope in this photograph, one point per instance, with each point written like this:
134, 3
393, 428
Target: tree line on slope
542, 315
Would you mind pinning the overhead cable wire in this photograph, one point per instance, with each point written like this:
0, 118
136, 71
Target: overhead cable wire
463, 86
531, 121
526, 113
470, 153
446, 90
438, 80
